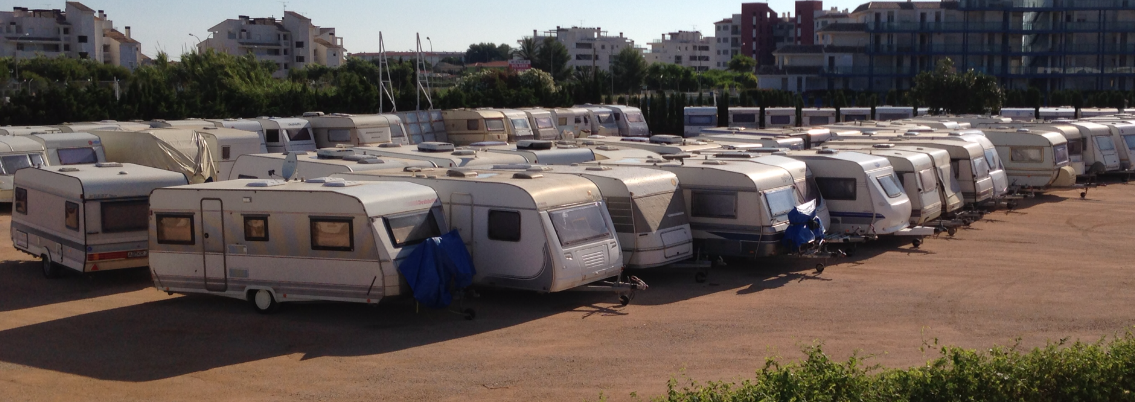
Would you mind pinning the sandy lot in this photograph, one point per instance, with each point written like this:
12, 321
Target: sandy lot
1058, 267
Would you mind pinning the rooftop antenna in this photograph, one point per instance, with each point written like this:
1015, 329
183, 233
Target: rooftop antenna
289, 168
384, 81
423, 77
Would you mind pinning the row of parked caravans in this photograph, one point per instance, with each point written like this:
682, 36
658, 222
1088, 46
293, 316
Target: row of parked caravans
698, 118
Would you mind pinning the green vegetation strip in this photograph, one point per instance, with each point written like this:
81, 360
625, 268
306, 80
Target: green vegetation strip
1101, 371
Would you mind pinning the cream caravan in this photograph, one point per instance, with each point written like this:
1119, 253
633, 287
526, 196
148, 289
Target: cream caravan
201, 155
71, 148
817, 116
1123, 134
646, 208
286, 134
1034, 159
322, 163
524, 230
466, 126
516, 122
543, 124
239, 239
442, 154
576, 121
354, 130
86, 217
17, 153
696, 118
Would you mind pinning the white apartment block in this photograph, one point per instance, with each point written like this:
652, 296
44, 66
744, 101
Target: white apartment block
726, 41
290, 42
684, 48
77, 32
588, 47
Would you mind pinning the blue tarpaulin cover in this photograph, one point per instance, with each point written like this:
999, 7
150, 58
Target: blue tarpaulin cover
803, 226
437, 266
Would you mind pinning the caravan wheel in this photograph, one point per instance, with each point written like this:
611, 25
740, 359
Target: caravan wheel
50, 269
263, 301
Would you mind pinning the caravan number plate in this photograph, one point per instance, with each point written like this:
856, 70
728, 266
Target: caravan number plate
137, 254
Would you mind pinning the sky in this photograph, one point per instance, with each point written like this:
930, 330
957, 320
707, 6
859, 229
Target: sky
451, 25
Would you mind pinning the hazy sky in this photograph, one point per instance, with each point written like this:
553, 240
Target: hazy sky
451, 24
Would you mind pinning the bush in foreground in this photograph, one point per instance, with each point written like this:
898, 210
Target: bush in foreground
1101, 371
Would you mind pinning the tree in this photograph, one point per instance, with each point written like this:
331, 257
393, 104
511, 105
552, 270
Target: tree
742, 64
552, 57
486, 52
527, 50
944, 90
629, 69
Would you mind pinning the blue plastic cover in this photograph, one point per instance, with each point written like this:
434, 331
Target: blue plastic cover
437, 267
803, 226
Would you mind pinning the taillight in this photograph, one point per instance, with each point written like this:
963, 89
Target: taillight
117, 255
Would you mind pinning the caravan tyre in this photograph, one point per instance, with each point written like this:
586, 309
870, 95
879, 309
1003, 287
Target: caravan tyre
263, 301
50, 270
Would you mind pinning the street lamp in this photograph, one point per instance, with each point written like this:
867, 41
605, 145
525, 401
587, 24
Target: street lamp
434, 65
17, 54
199, 40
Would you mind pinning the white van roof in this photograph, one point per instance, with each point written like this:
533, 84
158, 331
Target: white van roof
378, 199
99, 181
12, 143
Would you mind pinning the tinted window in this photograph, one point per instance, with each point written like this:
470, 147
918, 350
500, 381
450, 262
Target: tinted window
580, 224
780, 119
1060, 152
713, 205
472, 125
494, 124
175, 229
1130, 140
1105, 144
604, 118
12, 163
37, 160
890, 186
77, 156
21, 201
780, 202
71, 216
544, 122
1075, 148
744, 118
817, 120
700, 120
272, 135
1028, 155
125, 216
659, 211
299, 134
504, 225
563, 121
635, 118
992, 159
411, 229
226, 152
256, 228
520, 123
333, 234
837, 189
339, 135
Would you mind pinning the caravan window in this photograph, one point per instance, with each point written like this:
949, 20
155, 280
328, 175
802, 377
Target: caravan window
504, 225
1026, 154
12, 163
659, 211
332, 234
21, 201
71, 216
1075, 148
704, 204
125, 216
299, 134
520, 123
837, 189
545, 122
744, 118
272, 136
992, 158
175, 229
396, 132
339, 135
780, 202
635, 118
890, 185
1105, 144
256, 228
77, 156
980, 168
929, 180
580, 224
1060, 152
699, 120
780, 119
472, 125
226, 152
813, 190
818, 120
563, 121
411, 229
604, 118
622, 213
37, 160
494, 124
1130, 140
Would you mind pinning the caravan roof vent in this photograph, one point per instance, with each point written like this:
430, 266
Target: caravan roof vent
636, 139
883, 146
488, 144
412, 169
1023, 130
714, 162
333, 153
371, 161
527, 175
666, 139
461, 173
389, 145
108, 164
567, 146
312, 114
911, 133
464, 152
341, 183
598, 168
607, 148
431, 146
827, 151
69, 169
344, 146
869, 132
266, 183
357, 157
534, 144
318, 180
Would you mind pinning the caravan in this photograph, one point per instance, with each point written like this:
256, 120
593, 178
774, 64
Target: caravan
466, 126
104, 125
286, 134
17, 153
602, 120
804, 181
744, 117
1055, 113
646, 208
1019, 113
543, 123
967, 162
812, 136
887, 113
86, 217
1123, 134
71, 148
572, 120
1100, 153
944, 180
201, 155
1034, 159
322, 163
848, 114
516, 121
662, 144
354, 130
737, 142
240, 239
27, 130
817, 116
917, 174
696, 118
992, 160
187, 123
630, 121
780, 117
524, 230
442, 154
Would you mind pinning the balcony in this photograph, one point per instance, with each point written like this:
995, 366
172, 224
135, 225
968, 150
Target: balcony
1039, 5
1014, 49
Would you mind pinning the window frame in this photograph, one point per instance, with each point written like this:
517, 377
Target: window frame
827, 197
103, 215
312, 220
244, 227
431, 217
68, 207
20, 198
519, 225
192, 228
694, 210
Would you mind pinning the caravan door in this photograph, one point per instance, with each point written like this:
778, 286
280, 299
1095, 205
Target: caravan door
213, 245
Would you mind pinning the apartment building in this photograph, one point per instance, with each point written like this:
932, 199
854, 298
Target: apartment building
1047, 44
77, 31
290, 42
684, 48
752, 33
587, 47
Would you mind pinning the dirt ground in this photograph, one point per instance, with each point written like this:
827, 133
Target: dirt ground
1058, 267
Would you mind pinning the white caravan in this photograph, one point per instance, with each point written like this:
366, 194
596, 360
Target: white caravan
695, 118
1019, 113
602, 120
1123, 134
71, 148
27, 130
817, 116
967, 163
886, 113
516, 121
538, 151
337, 129
322, 163
86, 217
1100, 153
946, 182
736, 209
803, 179
573, 121
17, 153
1034, 159
745, 117
543, 123
1097, 111
103, 125
646, 208
286, 134
524, 230
1054, 113
780, 117
245, 239
918, 176
630, 121
442, 154
992, 160
847, 114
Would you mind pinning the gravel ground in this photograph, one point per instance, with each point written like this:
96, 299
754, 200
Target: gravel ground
1058, 267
